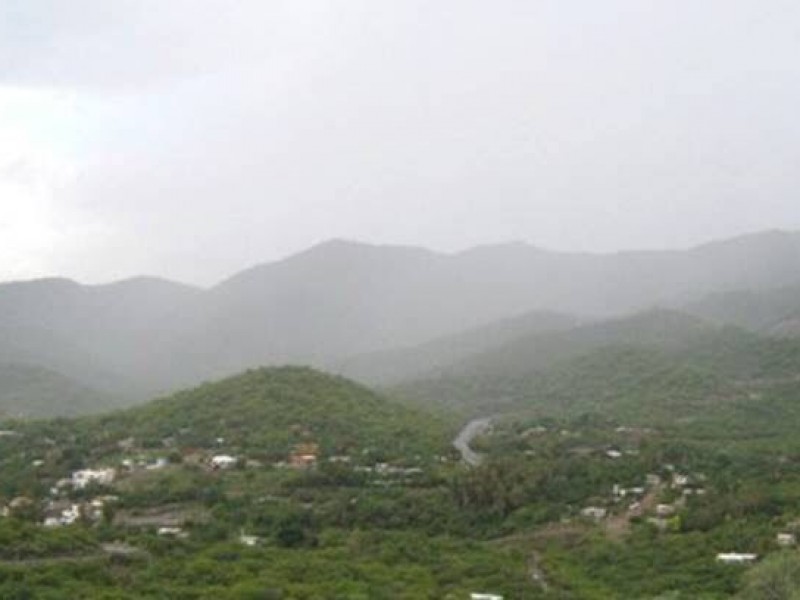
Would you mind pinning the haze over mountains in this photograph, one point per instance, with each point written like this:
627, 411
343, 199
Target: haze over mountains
340, 300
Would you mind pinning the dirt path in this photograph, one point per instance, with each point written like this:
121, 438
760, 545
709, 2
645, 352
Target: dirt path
619, 526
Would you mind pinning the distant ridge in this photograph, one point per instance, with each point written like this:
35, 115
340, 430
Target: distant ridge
342, 299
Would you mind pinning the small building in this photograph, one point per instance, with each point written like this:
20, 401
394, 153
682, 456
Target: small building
61, 513
223, 461
665, 510
304, 456
158, 464
485, 597
735, 558
786, 540
340, 459
594, 512
84, 477
679, 480
249, 540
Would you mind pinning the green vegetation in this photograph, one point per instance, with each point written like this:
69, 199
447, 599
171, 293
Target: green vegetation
620, 466
372, 517
268, 410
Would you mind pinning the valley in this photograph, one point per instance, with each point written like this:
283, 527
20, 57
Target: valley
648, 454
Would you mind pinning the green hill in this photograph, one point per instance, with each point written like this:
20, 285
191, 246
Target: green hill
414, 362
654, 328
654, 367
270, 409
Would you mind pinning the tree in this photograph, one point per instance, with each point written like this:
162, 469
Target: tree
777, 578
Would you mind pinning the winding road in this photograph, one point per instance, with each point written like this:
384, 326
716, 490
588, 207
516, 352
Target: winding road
470, 431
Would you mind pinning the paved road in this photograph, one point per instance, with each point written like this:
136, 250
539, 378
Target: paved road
470, 431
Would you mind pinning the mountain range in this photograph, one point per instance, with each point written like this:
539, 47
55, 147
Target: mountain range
381, 313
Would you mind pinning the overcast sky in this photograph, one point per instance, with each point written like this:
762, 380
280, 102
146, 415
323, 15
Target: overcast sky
193, 138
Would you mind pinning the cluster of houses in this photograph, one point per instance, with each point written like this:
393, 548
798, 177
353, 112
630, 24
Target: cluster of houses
60, 513
663, 513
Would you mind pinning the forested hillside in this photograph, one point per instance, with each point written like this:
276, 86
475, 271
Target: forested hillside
380, 313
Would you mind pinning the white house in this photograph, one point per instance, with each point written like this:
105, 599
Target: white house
786, 540
485, 597
248, 540
71, 515
159, 463
734, 558
62, 516
51, 522
223, 461
594, 512
679, 480
82, 478
665, 510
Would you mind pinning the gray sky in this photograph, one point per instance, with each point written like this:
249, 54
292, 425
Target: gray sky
192, 138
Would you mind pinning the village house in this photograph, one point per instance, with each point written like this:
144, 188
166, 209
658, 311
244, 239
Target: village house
339, 459
84, 477
175, 532
223, 461
159, 463
665, 510
304, 456
786, 540
594, 512
248, 540
485, 597
61, 513
679, 480
734, 558
620, 492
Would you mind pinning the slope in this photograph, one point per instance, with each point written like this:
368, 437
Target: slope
776, 312
656, 366
113, 337
342, 299
271, 409
29, 391
406, 364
